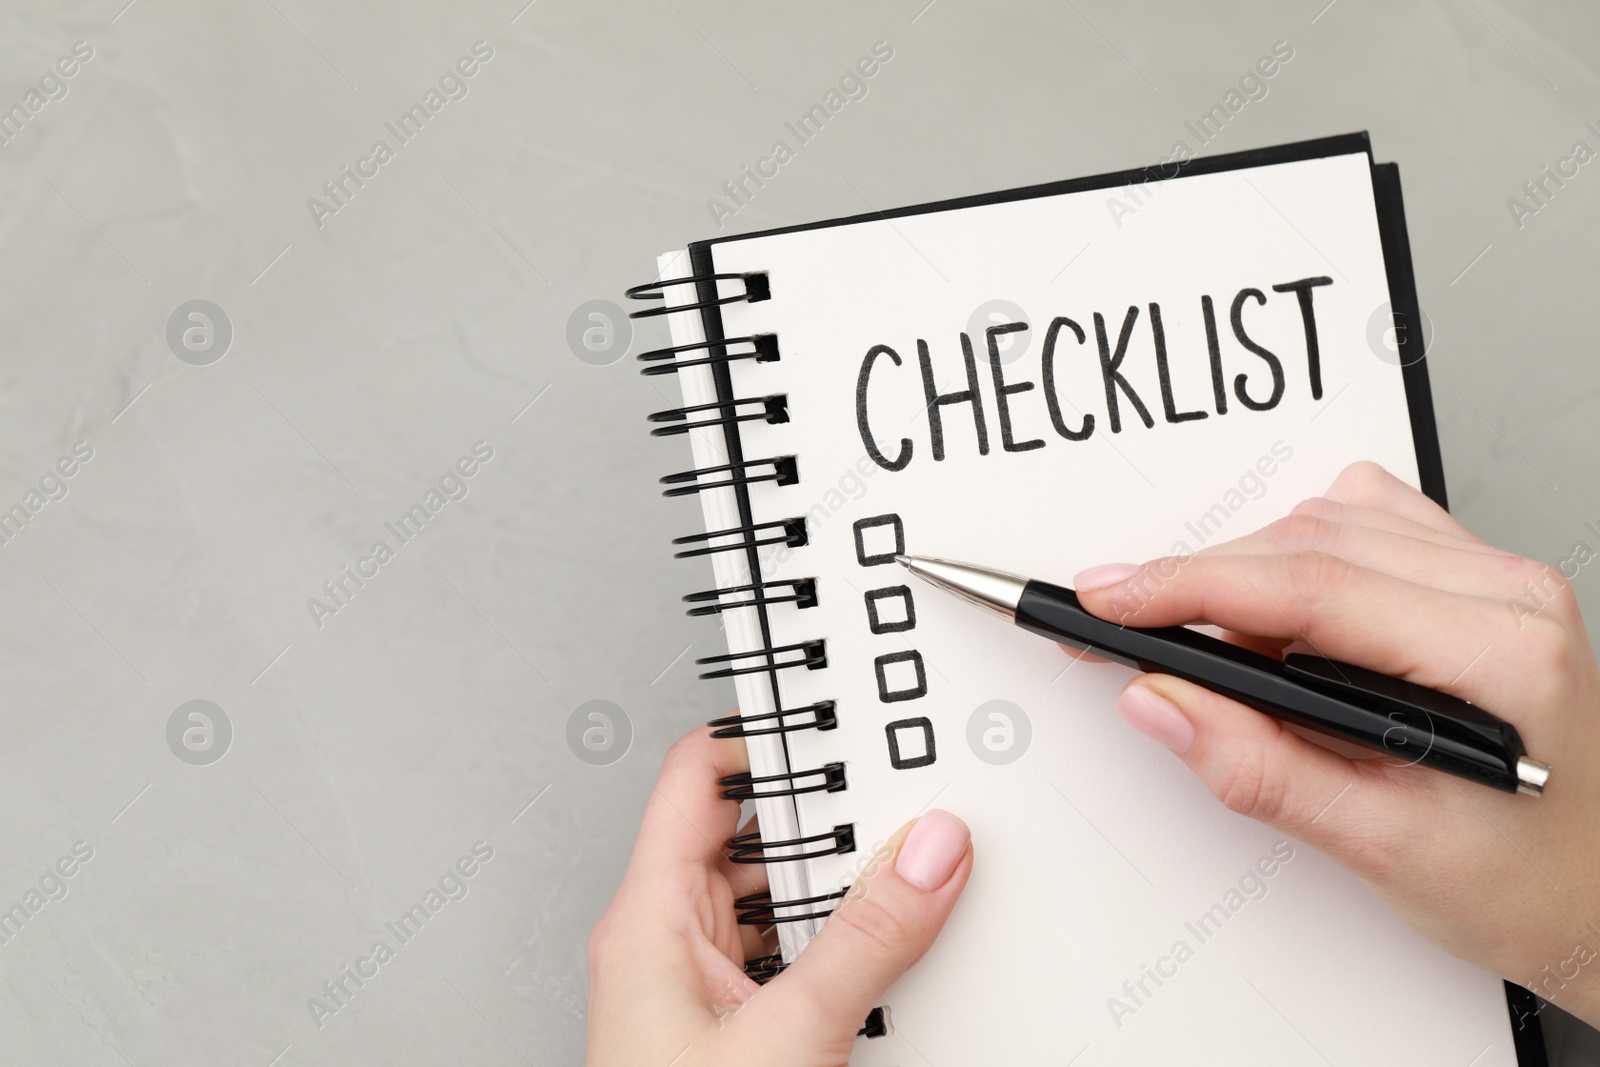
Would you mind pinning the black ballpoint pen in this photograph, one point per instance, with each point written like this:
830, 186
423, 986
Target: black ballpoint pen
1411, 722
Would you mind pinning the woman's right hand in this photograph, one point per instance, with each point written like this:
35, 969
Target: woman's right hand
1378, 575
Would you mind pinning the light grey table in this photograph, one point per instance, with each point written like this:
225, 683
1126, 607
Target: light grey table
350, 354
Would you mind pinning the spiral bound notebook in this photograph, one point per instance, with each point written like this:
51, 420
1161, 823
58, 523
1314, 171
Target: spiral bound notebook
1106, 369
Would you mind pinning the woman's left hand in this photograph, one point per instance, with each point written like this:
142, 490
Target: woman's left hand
666, 978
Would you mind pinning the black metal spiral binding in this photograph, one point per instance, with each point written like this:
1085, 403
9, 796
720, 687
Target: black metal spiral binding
764, 969
829, 778
822, 718
755, 289
793, 534
813, 657
803, 594
749, 848
772, 409
763, 349
726, 413
785, 471
759, 909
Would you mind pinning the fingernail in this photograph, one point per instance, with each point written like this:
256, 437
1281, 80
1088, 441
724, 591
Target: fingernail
929, 854
1103, 575
1156, 717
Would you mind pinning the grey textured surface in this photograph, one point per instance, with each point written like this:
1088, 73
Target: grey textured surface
371, 753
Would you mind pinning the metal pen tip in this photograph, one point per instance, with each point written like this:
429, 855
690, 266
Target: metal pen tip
995, 590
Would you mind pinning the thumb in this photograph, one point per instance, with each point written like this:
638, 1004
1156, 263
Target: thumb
1258, 767
884, 924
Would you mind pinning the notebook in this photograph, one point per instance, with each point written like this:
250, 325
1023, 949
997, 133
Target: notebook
1105, 369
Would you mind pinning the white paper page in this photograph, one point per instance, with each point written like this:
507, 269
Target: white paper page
1096, 849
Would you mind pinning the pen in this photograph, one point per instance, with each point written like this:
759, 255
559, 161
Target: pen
1389, 715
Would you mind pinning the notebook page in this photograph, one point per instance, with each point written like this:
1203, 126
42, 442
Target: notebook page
1116, 910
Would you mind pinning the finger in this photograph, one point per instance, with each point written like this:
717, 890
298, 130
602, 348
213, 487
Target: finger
886, 922
1473, 572
1354, 810
758, 941
687, 820
638, 947
1378, 519
1342, 610
1080, 654
1367, 484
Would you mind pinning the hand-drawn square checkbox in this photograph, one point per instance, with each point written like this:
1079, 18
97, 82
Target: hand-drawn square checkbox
890, 610
879, 540
910, 743
900, 676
